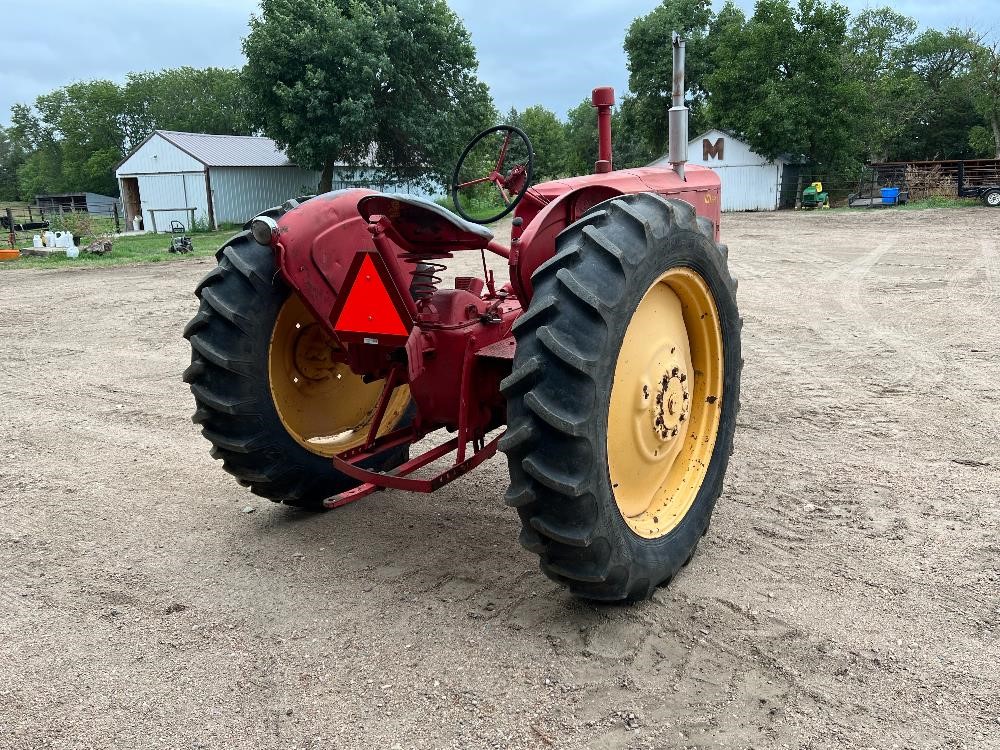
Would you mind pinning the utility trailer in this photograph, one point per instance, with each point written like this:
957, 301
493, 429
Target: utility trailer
972, 178
980, 179
880, 188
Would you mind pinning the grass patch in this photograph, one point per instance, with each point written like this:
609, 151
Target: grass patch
939, 201
142, 248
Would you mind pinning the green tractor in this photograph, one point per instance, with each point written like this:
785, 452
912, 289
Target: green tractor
815, 197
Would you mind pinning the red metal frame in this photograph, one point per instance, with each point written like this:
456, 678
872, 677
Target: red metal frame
397, 479
458, 345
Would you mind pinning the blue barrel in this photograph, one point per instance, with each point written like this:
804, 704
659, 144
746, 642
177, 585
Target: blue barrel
890, 195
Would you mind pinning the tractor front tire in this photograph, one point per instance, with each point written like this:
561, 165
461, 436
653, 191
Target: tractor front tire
233, 378
623, 397
991, 198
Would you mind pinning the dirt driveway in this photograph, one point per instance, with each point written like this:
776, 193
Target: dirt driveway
847, 595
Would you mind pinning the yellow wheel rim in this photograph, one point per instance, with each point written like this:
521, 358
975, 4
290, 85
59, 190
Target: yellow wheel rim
324, 406
666, 401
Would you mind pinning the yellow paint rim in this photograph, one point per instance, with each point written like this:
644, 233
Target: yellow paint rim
324, 406
666, 403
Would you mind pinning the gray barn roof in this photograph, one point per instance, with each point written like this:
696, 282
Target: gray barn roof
228, 150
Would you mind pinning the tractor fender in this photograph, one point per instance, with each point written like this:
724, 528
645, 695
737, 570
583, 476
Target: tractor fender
538, 242
317, 240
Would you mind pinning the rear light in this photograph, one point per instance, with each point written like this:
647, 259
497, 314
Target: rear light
263, 229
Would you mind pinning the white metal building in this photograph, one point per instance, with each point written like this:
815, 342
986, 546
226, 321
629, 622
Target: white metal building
206, 179
216, 179
750, 182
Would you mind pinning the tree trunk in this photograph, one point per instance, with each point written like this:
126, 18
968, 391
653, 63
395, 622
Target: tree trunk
326, 178
995, 122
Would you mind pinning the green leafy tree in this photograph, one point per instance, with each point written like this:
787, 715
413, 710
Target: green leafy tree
73, 137
358, 82
648, 45
11, 158
548, 140
629, 148
781, 80
41, 169
946, 113
581, 138
985, 74
193, 100
880, 41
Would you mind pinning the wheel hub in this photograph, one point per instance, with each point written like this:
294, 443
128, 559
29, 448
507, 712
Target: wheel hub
665, 403
315, 353
671, 404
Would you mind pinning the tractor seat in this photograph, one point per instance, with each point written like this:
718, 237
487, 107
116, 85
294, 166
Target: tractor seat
421, 222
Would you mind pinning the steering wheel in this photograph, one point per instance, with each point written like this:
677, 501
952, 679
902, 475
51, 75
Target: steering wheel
511, 182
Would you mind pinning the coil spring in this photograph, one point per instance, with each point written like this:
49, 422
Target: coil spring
425, 277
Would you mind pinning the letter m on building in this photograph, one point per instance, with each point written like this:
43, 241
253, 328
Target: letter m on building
711, 150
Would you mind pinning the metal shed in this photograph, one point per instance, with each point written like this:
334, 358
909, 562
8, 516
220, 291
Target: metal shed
196, 178
750, 182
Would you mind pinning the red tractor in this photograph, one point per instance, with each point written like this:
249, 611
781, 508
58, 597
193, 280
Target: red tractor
607, 368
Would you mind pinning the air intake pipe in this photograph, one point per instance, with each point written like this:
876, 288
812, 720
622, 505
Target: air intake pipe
678, 114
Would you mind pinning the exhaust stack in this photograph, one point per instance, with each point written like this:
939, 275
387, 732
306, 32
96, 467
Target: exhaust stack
678, 114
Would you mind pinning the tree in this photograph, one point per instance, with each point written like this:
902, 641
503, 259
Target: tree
581, 138
548, 140
880, 41
361, 81
781, 80
648, 45
72, 137
194, 100
985, 73
11, 158
946, 112
629, 148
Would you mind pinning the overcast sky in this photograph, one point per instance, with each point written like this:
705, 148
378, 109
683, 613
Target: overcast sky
549, 52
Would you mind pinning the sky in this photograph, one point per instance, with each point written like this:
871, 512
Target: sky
548, 52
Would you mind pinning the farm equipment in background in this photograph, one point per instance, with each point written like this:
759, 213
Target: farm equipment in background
880, 188
815, 197
607, 368
980, 181
179, 241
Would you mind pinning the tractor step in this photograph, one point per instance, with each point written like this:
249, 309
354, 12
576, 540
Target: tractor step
398, 478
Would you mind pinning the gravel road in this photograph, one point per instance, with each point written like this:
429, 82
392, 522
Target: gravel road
847, 595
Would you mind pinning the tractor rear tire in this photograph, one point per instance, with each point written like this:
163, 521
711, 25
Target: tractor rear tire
231, 337
561, 396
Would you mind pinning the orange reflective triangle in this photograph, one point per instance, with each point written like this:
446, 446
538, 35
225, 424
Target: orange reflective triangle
369, 308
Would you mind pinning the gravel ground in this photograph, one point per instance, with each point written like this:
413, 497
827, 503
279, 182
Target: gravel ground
848, 594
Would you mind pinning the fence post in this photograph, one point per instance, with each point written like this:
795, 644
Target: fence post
10, 226
114, 212
31, 219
